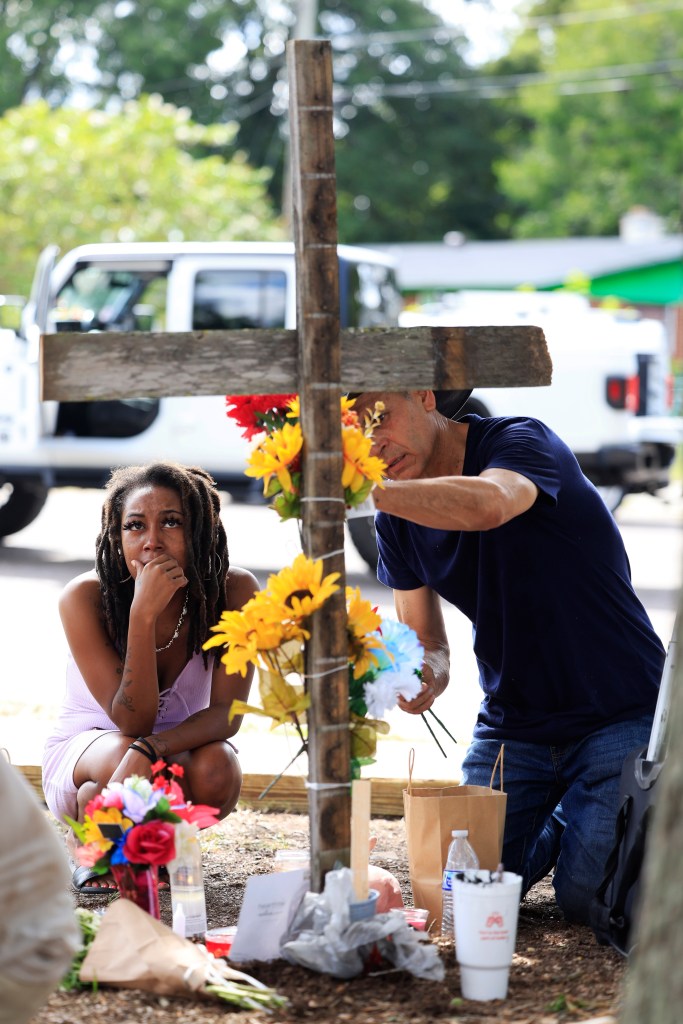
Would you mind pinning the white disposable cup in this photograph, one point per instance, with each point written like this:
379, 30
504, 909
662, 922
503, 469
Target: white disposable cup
485, 932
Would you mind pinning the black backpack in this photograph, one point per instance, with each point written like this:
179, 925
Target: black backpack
615, 904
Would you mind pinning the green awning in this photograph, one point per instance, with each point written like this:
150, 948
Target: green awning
659, 285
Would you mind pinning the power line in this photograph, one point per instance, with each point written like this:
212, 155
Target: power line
607, 78
600, 79
509, 83
442, 32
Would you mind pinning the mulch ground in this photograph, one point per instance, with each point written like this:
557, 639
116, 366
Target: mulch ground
559, 972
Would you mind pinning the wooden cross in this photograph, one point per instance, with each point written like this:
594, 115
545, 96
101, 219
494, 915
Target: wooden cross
319, 364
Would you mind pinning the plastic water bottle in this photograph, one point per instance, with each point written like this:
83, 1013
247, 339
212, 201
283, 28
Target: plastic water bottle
187, 885
461, 857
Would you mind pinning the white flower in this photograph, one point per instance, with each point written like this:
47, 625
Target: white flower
380, 695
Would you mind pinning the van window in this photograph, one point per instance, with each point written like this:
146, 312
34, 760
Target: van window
233, 299
97, 298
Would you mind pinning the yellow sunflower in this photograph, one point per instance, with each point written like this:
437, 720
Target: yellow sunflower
294, 407
301, 587
362, 622
259, 626
360, 467
275, 456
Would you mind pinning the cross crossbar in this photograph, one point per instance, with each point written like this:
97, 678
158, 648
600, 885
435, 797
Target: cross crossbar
85, 367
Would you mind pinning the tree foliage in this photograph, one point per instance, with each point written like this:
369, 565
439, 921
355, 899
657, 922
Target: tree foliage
69, 176
607, 131
425, 144
416, 149
414, 155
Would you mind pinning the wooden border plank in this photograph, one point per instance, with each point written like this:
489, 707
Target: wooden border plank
289, 794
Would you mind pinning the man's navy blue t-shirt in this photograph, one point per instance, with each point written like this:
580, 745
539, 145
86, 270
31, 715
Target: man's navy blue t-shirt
563, 644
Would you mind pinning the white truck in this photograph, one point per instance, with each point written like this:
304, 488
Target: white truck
160, 287
611, 393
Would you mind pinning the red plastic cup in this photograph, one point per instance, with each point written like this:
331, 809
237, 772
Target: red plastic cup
219, 940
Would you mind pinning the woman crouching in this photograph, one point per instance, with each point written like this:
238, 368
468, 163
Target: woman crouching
138, 685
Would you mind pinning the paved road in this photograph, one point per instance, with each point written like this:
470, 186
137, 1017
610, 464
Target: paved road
36, 563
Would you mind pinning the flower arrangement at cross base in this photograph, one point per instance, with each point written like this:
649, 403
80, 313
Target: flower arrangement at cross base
269, 632
129, 829
276, 458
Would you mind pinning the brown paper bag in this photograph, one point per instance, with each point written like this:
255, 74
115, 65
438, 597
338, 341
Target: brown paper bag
431, 813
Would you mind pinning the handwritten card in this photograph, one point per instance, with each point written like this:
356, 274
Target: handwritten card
268, 907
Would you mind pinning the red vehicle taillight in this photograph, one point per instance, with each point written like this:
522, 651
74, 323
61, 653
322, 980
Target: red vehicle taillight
623, 393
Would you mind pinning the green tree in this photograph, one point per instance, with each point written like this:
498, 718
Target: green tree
111, 48
70, 176
415, 147
607, 131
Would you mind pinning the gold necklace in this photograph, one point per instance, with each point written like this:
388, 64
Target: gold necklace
177, 629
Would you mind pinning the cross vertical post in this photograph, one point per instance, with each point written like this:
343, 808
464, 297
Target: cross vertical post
314, 223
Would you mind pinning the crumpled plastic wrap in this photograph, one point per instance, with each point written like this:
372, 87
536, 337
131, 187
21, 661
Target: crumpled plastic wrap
322, 938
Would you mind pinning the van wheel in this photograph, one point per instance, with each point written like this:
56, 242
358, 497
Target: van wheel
21, 500
364, 539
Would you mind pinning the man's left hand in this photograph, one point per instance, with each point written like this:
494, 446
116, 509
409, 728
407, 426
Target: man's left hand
424, 700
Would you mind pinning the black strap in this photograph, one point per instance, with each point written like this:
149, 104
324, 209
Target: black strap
147, 744
141, 750
613, 859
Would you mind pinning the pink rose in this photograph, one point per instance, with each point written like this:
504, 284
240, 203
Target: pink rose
152, 842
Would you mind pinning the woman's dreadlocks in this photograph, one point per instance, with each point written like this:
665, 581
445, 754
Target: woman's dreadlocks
207, 549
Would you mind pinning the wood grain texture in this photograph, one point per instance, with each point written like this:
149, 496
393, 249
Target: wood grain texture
317, 285
84, 367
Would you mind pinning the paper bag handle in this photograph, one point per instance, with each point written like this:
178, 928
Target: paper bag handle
499, 760
411, 765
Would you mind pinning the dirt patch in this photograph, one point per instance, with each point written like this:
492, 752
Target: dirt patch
559, 971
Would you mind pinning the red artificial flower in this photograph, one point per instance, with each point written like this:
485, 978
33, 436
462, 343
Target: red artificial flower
200, 815
152, 842
176, 797
251, 412
158, 767
176, 770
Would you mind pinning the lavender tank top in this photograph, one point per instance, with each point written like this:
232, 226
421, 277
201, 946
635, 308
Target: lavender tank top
190, 692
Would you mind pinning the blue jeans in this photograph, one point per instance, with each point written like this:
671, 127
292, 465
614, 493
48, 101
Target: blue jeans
562, 806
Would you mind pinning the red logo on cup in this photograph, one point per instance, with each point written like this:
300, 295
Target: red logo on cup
496, 919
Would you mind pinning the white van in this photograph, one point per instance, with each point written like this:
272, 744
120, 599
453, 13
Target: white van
151, 287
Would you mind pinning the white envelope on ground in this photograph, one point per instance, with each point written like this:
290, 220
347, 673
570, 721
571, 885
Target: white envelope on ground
268, 907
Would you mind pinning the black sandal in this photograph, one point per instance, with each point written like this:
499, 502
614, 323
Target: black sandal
82, 875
